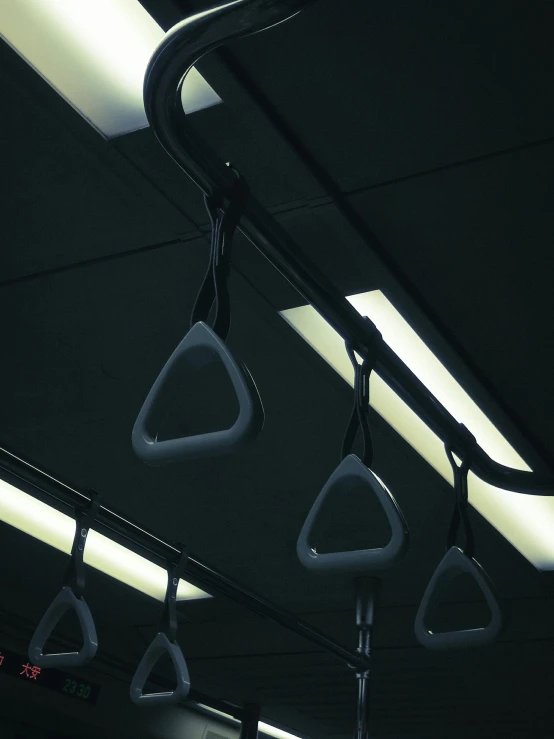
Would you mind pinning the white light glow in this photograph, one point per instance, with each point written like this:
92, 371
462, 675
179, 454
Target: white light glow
527, 521
274, 732
32, 516
266, 729
95, 54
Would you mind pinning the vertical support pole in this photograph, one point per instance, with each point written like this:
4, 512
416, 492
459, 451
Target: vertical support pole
367, 589
249, 724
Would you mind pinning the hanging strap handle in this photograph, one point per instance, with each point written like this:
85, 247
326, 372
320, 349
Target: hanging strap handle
214, 289
455, 562
360, 411
164, 643
175, 570
75, 573
353, 471
460, 514
70, 597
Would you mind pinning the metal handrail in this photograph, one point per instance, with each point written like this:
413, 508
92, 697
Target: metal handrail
34, 481
177, 53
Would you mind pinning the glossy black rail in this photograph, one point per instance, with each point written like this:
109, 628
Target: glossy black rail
27, 477
180, 49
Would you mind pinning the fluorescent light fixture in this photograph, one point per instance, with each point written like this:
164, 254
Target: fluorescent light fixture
274, 732
263, 727
95, 54
52, 527
527, 521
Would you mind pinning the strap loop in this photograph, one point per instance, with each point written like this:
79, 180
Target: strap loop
360, 411
75, 573
460, 514
214, 289
168, 621
164, 643
70, 598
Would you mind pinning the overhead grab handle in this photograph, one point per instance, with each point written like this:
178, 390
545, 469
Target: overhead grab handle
159, 646
349, 474
353, 472
458, 561
62, 603
69, 598
164, 643
453, 564
202, 346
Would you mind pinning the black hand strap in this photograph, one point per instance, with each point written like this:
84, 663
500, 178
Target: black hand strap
460, 515
360, 411
75, 574
224, 222
164, 643
168, 621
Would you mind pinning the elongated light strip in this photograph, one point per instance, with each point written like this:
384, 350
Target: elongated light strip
95, 54
52, 527
273, 731
527, 521
263, 727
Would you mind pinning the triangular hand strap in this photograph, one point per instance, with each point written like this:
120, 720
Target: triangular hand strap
159, 646
64, 601
453, 564
351, 473
200, 347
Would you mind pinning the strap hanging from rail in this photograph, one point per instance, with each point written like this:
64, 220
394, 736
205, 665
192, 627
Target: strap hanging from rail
356, 472
214, 290
458, 560
360, 411
70, 598
164, 643
202, 346
460, 514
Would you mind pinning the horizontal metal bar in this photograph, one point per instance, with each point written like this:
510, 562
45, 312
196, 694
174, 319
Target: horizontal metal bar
34, 481
180, 49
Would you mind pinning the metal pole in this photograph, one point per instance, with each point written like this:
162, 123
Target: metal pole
181, 48
32, 480
249, 723
366, 595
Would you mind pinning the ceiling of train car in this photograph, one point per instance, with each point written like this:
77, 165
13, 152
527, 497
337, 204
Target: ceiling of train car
405, 146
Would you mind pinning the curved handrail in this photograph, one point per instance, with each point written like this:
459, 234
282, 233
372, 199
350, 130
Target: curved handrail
179, 50
177, 53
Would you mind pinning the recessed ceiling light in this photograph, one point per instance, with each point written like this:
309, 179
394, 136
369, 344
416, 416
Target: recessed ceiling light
273, 731
95, 54
263, 727
55, 528
527, 521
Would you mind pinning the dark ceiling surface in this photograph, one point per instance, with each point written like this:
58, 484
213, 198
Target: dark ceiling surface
405, 146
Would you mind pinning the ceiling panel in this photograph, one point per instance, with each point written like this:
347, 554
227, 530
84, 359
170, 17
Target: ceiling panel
381, 90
